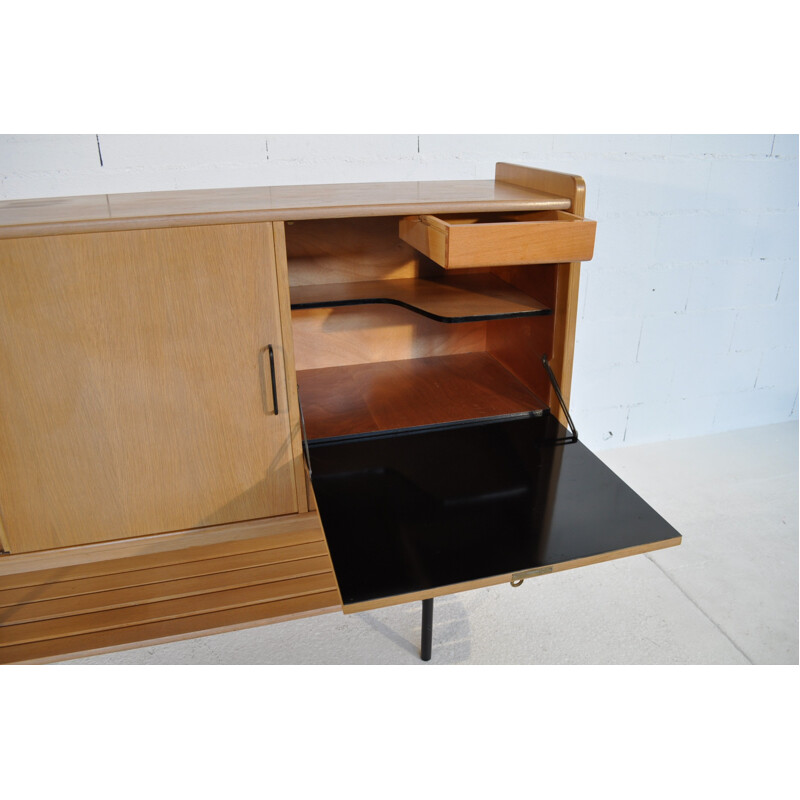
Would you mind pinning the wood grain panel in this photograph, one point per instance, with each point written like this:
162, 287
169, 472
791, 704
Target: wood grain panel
135, 397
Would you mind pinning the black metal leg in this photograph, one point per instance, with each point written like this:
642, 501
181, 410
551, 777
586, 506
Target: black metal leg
427, 630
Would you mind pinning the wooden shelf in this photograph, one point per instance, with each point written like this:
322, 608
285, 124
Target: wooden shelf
395, 395
466, 298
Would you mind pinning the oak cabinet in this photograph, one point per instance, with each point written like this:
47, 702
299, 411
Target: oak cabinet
140, 371
221, 408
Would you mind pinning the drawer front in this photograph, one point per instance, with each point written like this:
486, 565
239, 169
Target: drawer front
461, 241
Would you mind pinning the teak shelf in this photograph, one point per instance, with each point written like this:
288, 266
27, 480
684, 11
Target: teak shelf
396, 395
225, 408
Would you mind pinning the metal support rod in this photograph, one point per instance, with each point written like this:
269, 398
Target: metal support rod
427, 630
557, 390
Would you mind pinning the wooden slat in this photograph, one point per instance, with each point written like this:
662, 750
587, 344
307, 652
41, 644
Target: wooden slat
161, 591
157, 543
457, 299
141, 577
164, 610
173, 629
366, 398
164, 595
95, 568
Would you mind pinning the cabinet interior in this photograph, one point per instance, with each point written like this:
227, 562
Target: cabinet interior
386, 339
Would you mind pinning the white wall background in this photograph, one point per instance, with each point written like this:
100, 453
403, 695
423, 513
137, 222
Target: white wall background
688, 315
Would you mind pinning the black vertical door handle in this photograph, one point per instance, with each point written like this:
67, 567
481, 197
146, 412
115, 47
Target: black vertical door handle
272, 376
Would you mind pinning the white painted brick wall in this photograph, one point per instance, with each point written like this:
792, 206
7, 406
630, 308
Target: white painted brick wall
688, 314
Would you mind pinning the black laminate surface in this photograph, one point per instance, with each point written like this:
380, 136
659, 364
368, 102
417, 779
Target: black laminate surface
420, 510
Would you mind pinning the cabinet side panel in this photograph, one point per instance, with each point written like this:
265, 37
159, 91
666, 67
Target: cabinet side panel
136, 394
565, 303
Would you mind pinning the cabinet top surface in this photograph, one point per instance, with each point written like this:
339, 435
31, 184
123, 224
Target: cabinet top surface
53, 215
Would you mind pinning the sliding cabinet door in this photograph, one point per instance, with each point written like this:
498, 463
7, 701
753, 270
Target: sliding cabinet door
139, 377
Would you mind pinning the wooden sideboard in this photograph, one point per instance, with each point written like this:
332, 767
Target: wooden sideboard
224, 408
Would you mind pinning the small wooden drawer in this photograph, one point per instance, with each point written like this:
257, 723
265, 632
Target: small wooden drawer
459, 241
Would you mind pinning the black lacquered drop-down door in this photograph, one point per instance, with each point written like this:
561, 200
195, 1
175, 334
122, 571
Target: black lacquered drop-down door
439, 510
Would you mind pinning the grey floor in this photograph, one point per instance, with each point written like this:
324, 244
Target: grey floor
727, 595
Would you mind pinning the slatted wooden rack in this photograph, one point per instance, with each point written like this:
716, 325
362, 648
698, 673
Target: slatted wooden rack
113, 603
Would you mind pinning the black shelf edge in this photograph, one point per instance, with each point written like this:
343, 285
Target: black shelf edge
429, 314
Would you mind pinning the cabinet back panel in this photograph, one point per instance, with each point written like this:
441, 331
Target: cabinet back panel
343, 250
518, 344
134, 396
